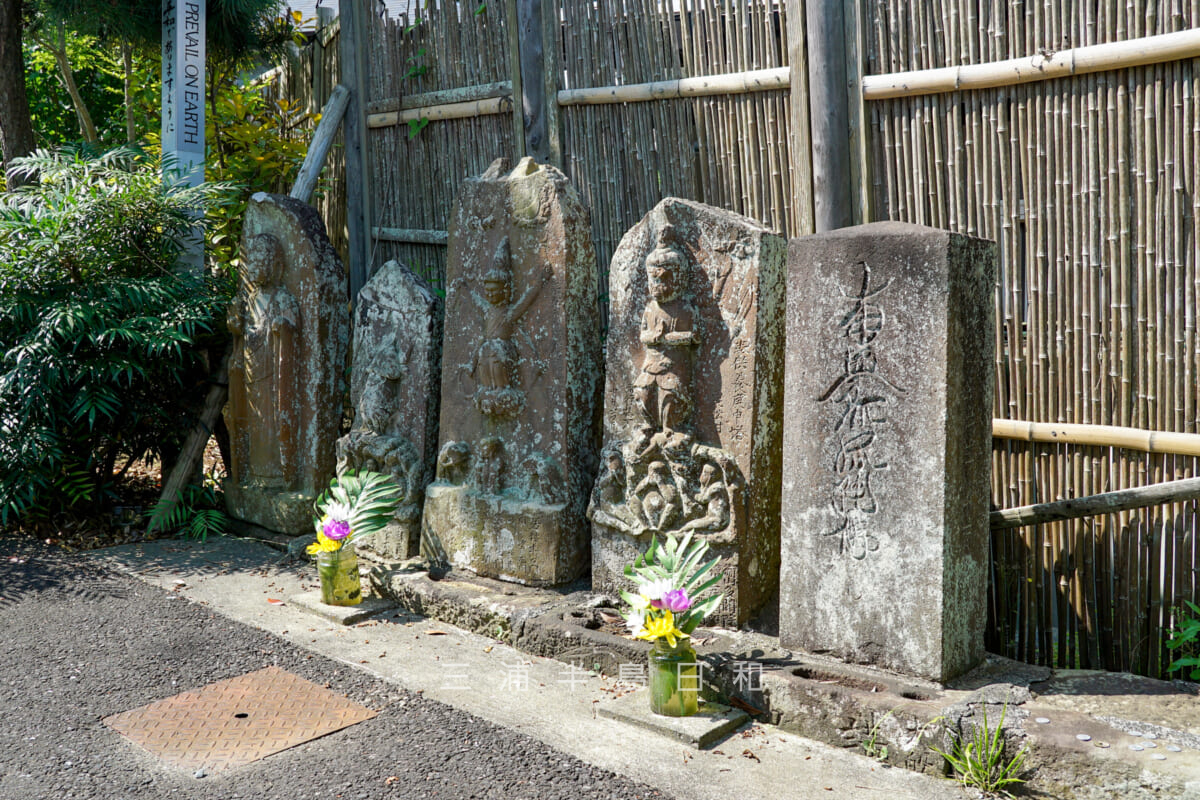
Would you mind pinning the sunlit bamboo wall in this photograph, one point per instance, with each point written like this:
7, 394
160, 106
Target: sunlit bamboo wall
1089, 186
307, 85
414, 178
728, 151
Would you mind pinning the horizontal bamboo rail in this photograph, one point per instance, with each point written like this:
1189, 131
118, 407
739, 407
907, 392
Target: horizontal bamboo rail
473, 108
411, 235
441, 97
1184, 444
1043, 66
1107, 503
758, 80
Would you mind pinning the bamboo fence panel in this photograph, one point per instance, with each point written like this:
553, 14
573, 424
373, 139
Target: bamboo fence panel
1089, 186
728, 151
306, 80
416, 172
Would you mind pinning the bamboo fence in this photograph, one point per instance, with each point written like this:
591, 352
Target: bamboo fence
415, 173
308, 78
729, 150
1089, 185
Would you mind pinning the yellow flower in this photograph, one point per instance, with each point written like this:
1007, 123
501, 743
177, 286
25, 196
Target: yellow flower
323, 544
661, 627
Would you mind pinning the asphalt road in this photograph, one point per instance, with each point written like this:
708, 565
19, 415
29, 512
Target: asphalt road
80, 642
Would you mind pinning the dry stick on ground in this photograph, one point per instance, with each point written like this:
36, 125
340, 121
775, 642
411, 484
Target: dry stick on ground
193, 447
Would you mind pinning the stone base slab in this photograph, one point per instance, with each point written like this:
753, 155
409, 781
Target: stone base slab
713, 723
497, 537
342, 615
285, 512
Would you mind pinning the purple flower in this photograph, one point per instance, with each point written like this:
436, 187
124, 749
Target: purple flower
336, 529
676, 600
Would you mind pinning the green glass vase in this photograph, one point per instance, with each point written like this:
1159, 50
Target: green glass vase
674, 679
338, 570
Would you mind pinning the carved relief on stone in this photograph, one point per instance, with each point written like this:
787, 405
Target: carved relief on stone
394, 390
264, 320
662, 480
691, 434
519, 417
289, 323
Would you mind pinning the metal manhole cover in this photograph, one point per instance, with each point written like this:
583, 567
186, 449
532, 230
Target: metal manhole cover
237, 721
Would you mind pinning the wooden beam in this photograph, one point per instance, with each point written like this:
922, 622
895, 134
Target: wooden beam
411, 235
318, 149
462, 94
1183, 444
829, 114
1178, 46
474, 108
759, 80
1097, 504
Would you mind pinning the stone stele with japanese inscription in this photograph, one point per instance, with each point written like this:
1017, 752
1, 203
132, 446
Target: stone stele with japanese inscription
290, 323
887, 447
520, 380
692, 398
395, 382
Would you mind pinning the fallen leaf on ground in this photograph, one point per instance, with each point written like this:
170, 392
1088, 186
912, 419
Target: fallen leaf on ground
435, 633
275, 601
749, 754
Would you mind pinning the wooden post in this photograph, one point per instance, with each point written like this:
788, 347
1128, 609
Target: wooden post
318, 149
353, 52
516, 78
533, 80
320, 87
829, 111
552, 59
858, 128
800, 142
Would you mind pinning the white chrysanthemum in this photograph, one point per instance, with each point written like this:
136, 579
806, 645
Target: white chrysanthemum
636, 621
654, 590
338, 511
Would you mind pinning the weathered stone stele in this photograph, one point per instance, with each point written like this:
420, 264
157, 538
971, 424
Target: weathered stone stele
692, 398
290, 323
887, 447
520, 380
395, 382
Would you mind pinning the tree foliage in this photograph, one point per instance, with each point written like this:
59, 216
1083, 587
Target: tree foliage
98, 334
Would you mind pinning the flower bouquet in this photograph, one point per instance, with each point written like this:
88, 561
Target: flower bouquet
666, 608
355, 505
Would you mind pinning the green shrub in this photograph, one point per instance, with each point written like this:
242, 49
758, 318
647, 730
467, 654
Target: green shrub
98, 333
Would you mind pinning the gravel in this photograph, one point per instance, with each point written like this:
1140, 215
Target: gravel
81, 642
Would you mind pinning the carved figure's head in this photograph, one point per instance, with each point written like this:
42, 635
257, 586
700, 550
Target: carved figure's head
497, 282
665, 266
706, 474
491, 448
262, 260
614, 462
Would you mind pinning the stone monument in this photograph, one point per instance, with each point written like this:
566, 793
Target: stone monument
394, 385
520, 380
692, 398
887, 447
290, 324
